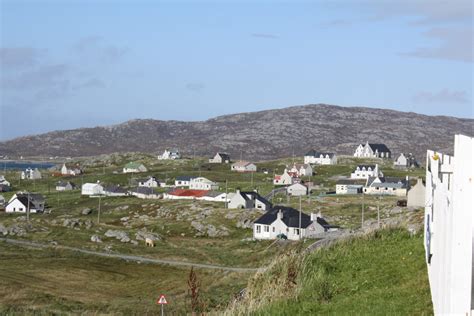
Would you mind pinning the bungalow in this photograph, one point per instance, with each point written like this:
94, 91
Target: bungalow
366, 171
248, 200
151, 182
183, 181
184, 194
134, 167
287, 178
293, 224
214, 196
170, 155
30, 174
92, 189
416, 195
115, 190
349, 186
372, 151
243, 166
201, 183
144, 193
22, 202
74, 171
220, 158
65, 186
302, 170
406, 161
386, 186
4, 181
297, 189
320, 158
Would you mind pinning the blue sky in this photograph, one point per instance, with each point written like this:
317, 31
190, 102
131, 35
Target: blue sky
70, 64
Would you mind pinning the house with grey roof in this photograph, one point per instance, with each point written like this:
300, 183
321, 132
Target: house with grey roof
248, 200
183, 181
404, 161
243, 166
23, 202
386, 186
366, 171
288, 222
372, 150
320, 158
65, 186
151, 182
349, 186
297, 189
115, 190
144, 193
220, 158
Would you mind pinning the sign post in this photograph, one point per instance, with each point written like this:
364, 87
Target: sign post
162, 301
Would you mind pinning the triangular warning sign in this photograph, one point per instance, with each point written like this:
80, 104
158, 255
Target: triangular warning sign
161, 300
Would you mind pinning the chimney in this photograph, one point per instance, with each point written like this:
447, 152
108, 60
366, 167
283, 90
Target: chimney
280, 215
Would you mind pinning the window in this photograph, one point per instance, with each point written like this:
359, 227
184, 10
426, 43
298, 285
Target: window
259, 229
266, 229
273, 228
297, 231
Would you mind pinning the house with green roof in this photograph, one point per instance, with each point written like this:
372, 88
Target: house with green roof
134, 167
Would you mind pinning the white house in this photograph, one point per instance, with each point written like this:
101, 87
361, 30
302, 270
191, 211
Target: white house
150, 182
145, 193
347, 186
70, 171
92, 189
366, 171
201, 183
386, 186
65, 186
449, 228
115, 190
20, 202
4, 181
405, 161
170, 155
243, 166
248, 200
297, 189
286, 178
220, 158
183, 181
31, 174
301, 169
134, 167
416, 195
372, 151
214, 196
320, 158
285, 221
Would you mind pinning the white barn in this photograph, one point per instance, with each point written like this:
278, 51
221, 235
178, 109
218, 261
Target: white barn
92, 189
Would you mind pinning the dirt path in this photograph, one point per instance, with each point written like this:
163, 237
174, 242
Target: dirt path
26, 243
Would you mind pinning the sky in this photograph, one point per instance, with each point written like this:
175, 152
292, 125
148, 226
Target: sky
69, 64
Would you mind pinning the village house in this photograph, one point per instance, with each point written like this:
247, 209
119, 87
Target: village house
170, 155
4, 181
31, 174
151, 182
286, 222
349, 186
74, 171
134, 167
65, 186
92, 189
183, 181
297, 189
372, 151
287, 178
386, 186
214, 196
115, 190
301, 170
145, 193
416, 195
248, 200
366, 171
320, 158
22, 201
243, 166
201, 183
406, 161
220, 158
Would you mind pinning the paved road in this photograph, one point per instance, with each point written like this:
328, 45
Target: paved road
128, 257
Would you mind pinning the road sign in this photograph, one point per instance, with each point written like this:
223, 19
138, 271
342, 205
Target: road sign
161, 300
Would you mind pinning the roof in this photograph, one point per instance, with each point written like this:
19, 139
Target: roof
148, 178
366, 167
184, 178
87, 185
133, 165
387, 182
33, 196
314, 153
143, 190
115, 189
64, 184
186, 192
242, 163
213, 193
255, 196
298, 184
379, 147
290, 217
350, 181
301, 165
224, 156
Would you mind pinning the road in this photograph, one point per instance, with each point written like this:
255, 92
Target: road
275, 191
25, 243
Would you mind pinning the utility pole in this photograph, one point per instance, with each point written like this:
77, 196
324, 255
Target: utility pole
299, 226
28, 208
251, 179
98, 213
226, 205
362, 223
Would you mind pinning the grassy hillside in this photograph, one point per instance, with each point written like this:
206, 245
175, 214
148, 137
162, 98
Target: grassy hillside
379, 274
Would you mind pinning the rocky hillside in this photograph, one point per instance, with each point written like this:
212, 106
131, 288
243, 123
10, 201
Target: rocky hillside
256, 135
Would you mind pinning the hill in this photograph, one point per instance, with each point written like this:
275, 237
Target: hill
256, 135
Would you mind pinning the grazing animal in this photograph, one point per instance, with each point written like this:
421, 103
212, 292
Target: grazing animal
149, 242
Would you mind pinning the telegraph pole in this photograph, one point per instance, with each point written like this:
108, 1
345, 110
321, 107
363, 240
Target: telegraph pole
28, 208
226, 205
98, 213
362, 223
299, 229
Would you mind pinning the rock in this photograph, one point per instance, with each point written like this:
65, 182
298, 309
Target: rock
125, 239
244, 223
134, 242
86, 211
95, 238
142, 235
117, 234
3, 230
124, 219
88, 224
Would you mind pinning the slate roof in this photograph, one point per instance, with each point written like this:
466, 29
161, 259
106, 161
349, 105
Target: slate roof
257, 197
64, 184
290, 217
184, 178
224, 156
379, 147
350, 182
144, 190
366, 167
33, 196
387, 182
115, 189
314, 153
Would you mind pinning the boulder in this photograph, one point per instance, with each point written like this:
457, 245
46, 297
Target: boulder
86, 211
3, 230
95, 238
117, 234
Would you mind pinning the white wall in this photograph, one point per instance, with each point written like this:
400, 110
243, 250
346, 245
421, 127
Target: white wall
449, 227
